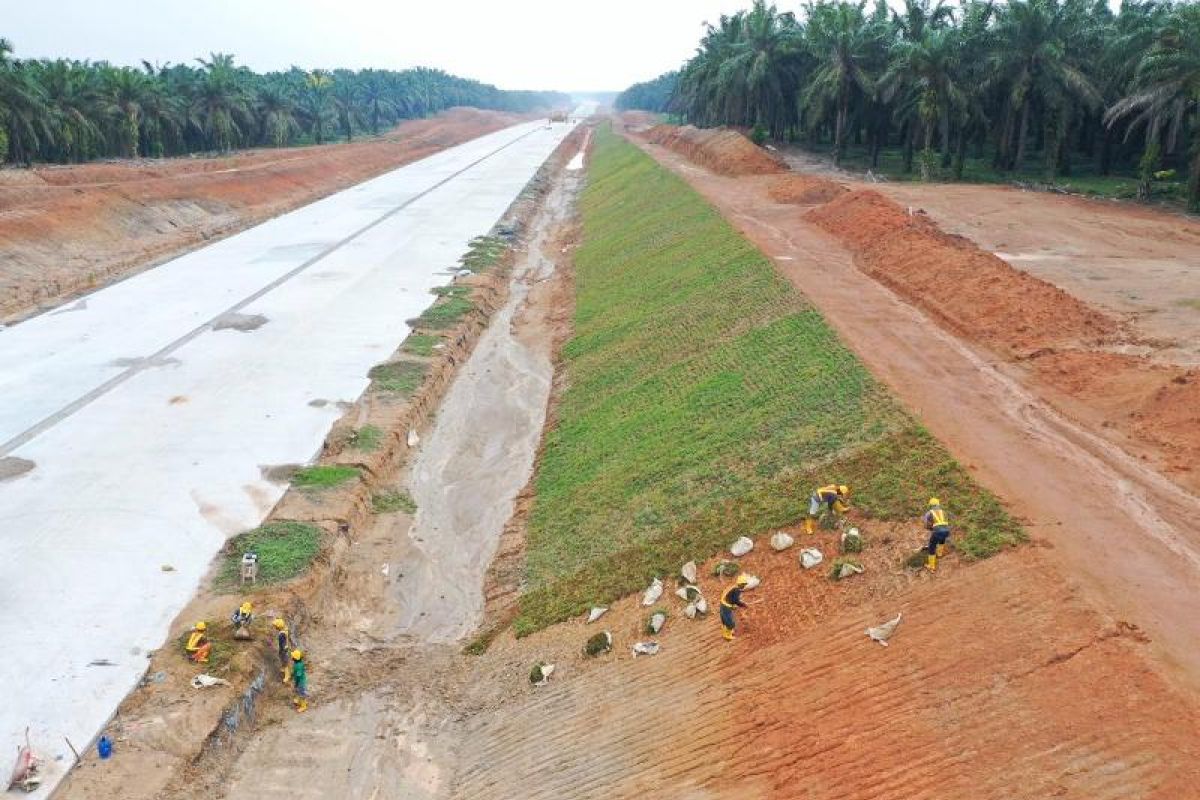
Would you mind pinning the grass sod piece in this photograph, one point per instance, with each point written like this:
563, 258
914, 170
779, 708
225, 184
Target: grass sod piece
598, 644
705, 398
366, 439
220, 655
420, 344
483, 253
285, 549
324, 476
443, 314
398, 377
390, 501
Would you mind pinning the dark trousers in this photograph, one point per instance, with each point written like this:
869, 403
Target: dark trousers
937, 536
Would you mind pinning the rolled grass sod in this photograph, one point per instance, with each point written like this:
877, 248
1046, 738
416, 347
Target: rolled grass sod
285, 549
705, 398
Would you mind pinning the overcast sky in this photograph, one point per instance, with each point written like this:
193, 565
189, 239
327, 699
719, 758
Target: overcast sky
516, 44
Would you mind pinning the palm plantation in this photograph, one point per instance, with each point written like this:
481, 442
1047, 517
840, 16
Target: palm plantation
1033, 85
69, 111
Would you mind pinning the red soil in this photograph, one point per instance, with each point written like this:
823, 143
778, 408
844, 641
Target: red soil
804, 190
970, 291
724, 151
65, 229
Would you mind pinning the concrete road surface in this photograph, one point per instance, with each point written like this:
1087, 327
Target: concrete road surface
136, 422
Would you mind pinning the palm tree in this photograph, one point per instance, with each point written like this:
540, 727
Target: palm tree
1166, 91
24, 117
840, 39
763, 67
276, 111
920, 16
344, 97
71, 104
376, 98
926, 71
123, 92
1032, 62
314, 102
219, 107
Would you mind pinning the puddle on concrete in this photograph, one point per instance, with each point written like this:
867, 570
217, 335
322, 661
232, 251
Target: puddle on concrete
239, 322
14, 467
479, 455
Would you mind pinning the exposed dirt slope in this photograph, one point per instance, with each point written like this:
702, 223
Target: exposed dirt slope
998, 683
69, 229
722, 150
967, 289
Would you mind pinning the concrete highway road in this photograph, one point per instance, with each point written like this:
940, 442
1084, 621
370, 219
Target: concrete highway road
135, 422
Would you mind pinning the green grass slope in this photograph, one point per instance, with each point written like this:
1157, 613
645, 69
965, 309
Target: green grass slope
705, 397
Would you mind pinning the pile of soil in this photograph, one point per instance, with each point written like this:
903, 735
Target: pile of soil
804, 190
67, 229
1152, 403
969, 290
722, 150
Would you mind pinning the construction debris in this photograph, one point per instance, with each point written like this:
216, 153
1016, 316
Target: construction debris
540, 674
884, 632
752, 582
781, 541
413, 438
596, 613
743, 545
26, 774
203, 681
657, 620
810, 557
645, 649
653, 592
688, 571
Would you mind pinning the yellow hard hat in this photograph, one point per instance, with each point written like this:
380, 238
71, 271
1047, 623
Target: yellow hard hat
297, 654
201, 626
742, 580
843, 490
279, 624
246, 607
933, 501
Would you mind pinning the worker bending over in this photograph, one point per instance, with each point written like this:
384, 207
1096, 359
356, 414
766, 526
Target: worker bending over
299, 680
731, 598
242, 617
198, 647
834, 498
283, 645
937, 522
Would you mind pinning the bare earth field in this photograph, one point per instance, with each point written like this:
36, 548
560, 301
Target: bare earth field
69, 229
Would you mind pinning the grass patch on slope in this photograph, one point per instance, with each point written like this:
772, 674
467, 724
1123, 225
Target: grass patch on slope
705, 399
324, 476
285, 549
420, 344
398, 377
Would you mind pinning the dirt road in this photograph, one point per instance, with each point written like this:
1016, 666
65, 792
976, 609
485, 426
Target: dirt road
1122, 530
68, 229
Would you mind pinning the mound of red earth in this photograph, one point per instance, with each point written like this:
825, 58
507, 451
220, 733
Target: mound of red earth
969, 290
66, 229
722, 150
804, 190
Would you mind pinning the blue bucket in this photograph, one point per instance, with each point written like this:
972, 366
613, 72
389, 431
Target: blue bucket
105, 747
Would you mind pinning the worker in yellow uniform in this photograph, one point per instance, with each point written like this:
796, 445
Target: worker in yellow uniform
283, 645
731, 598
835, 498
198, 647
241, 619
937, 522
299, 680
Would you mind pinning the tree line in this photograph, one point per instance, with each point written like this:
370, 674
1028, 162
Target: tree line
66, 111
1043, 81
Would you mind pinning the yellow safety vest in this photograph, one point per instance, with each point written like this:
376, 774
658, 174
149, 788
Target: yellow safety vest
938, 518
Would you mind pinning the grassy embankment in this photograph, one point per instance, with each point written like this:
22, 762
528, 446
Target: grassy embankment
705, 399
